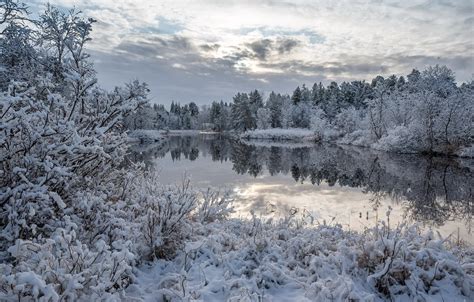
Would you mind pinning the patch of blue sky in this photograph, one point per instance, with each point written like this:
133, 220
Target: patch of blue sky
37, 7
314, 37
165, 26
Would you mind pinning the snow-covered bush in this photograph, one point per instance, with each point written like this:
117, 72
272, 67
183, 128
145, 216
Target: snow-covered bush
349, 120
363, 138
213, 205
61, 150
319, 124
237, 260
324, 130
64, 268
164, 214
43, 166
400, 139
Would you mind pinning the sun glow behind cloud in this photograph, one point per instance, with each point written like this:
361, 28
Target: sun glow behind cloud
226, 46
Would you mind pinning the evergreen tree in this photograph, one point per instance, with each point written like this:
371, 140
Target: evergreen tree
193, 108
317, 94
255, 103
274, 104
242, 116
222, 122
332, 101
305, 94
296, 97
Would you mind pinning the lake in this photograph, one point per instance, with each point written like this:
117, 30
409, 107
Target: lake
354, 187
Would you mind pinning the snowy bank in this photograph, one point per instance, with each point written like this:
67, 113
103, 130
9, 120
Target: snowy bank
289, 144
157, 135
145, 136
296, 134
163, 243
253, 260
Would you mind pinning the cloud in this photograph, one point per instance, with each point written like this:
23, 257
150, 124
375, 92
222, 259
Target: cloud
328, 68
287, 44
220, 47
210, 47
261, 48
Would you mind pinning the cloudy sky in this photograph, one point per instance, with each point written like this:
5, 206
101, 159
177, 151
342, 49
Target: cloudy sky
209, 49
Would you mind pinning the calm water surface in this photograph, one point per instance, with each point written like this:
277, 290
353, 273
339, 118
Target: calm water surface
351, 186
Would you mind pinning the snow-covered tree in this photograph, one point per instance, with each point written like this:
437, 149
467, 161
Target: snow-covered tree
263, 118
274, 104
62, 143
377, 108
242, 115
301, 115
287, 112
296, 97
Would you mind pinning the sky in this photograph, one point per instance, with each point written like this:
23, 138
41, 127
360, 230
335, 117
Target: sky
208, 50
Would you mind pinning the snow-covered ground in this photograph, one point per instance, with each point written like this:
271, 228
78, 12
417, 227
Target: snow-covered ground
294, 134
157, 135
238, 260
389, 143
145, 136
290, 144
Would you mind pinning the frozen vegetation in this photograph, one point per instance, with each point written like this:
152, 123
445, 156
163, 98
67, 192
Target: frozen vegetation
279, 134
290, 260
77, 224
145, 136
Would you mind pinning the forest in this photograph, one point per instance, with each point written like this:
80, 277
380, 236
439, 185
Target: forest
426, 112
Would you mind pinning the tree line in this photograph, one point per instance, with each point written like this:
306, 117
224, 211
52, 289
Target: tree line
426, 111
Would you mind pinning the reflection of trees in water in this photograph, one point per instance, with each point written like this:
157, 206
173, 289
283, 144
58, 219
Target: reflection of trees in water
179, 148
437, 189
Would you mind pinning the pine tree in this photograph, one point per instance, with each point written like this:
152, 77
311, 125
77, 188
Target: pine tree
255, 103
331, 103
296, 97
242, 117
274, 104
305, 94
193, 109
222, 122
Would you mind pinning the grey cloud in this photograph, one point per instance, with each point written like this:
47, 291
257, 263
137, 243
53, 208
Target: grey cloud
455, 62
174, 46
333, 68
287, 45
175, 42
138, 50
210, 47
221, 79
261, 48
238, 55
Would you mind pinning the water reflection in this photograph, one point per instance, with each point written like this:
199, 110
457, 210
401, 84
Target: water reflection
429, 189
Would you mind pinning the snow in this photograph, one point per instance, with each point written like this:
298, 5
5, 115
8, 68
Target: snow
238, 260
295, 134
145, 136
288, 144
149, 136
